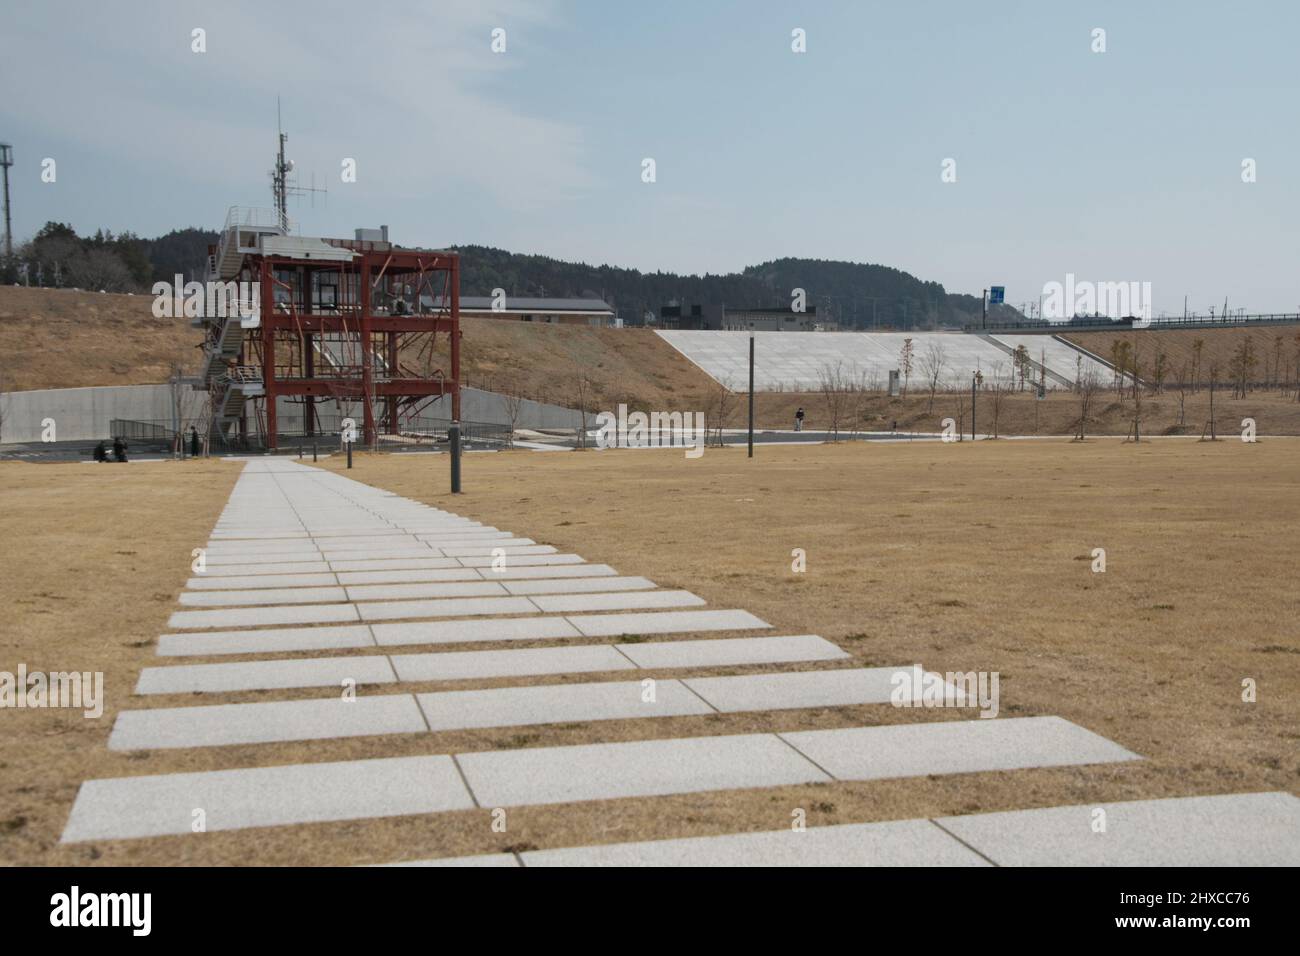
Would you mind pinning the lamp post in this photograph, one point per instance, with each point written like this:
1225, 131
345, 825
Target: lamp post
751, 393
453, 442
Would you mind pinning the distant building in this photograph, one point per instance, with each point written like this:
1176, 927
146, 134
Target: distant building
718, 317
770, 320
591, 312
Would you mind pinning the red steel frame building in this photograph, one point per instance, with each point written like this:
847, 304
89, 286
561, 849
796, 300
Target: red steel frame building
362, 330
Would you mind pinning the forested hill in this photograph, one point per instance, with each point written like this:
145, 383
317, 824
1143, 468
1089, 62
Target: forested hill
853, 294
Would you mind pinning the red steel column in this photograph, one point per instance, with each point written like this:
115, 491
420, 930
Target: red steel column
455, 337
367, 359
268, 355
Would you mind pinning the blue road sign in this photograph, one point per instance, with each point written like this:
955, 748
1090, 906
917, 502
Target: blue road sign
997, 294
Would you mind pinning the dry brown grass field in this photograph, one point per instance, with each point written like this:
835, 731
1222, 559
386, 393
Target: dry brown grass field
972, 556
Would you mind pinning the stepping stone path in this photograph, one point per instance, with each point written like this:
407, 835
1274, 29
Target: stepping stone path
304, 561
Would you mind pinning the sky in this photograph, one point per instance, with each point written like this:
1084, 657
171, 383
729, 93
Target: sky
1114, 166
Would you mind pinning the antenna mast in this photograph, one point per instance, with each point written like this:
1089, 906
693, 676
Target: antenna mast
281, 187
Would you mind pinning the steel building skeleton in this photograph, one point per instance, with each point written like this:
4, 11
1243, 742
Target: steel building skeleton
334, 319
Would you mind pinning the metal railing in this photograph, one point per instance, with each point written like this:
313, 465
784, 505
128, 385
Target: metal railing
253, 217
1103, 324
146, 433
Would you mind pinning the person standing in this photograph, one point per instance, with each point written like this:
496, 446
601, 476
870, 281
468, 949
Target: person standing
798, 419
194, 442
119, 449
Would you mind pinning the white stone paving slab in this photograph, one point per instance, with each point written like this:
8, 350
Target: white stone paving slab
509, 543
394, 592
267, 616
265, 675
733, 651
236, 582
251, 560
305, 545
510, 550
265, 641
378, 554
266, 722
613, 625
485, 859
891, 843
353, 578
127, 807
521, 560
615, 602
1243, 829
523, 662
456, 632
259, 535
448, 607
954, 746
837, 688
270, 570
556, 703
377, 533
333, 545
395, 564
512, 573
579, 585
538, 775
262, 596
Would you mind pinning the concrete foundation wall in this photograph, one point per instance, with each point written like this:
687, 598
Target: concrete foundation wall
82, 414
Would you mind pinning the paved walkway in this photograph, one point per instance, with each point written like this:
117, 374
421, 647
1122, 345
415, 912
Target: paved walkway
304, 560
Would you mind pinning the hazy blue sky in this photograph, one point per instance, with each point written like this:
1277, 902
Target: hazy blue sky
1123, 165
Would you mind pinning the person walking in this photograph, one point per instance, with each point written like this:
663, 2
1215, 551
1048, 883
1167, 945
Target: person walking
101, 452
798, 419
119, 449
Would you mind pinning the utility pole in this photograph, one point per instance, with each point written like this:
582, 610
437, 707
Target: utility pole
984, 302
973, 377
7, 160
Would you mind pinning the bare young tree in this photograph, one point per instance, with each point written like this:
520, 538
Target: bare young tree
1198, 347
719, 407
1182, 382
724, 407
867, 386
958, 393
1089, 386
4, 400
835, 388
1022, 365
905, 363
513, 397
997, 390
932, 364
1135, 366
583, 395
